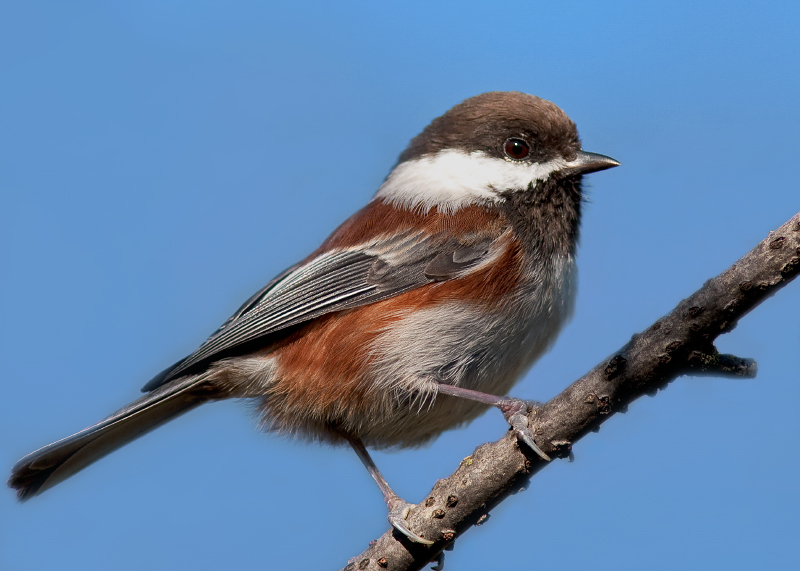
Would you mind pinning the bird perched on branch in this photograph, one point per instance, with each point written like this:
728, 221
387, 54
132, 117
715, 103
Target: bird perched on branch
418, 312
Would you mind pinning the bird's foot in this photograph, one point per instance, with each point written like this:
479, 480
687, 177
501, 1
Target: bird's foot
516, 413
398, 514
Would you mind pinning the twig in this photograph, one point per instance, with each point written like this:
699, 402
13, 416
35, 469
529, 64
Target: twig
680, 343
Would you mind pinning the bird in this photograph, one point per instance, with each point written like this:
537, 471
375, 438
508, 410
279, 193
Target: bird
417, 314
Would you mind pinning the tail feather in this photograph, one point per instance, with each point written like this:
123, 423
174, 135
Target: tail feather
56, 462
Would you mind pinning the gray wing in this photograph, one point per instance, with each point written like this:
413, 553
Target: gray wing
334, 281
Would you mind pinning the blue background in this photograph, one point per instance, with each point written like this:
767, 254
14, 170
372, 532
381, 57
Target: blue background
160, 161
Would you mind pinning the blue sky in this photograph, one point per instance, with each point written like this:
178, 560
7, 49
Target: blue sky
160, 161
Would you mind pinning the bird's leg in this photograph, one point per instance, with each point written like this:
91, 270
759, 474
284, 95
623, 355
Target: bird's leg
514, 410
398, 508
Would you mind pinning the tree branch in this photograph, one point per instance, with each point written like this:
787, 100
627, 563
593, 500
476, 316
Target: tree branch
680, 343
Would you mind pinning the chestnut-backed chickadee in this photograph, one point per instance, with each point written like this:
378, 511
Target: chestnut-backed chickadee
405, 322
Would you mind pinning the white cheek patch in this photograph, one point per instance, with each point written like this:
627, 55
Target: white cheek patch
452, 179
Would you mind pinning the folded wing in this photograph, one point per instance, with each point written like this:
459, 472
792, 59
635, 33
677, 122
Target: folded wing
336, 280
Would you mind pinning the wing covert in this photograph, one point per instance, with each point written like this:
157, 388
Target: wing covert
334, 281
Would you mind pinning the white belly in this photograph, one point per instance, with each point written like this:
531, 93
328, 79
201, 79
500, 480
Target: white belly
463, 345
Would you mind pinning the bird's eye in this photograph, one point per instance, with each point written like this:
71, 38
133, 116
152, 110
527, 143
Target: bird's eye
516, 149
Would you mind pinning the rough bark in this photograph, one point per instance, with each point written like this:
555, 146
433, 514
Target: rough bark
680, 343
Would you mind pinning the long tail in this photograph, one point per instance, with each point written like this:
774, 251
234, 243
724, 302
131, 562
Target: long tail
56, 462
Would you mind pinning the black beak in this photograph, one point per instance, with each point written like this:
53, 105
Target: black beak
585, 163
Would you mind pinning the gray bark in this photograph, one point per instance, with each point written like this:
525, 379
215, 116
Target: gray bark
680, 343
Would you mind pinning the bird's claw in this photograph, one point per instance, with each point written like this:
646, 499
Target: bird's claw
515, 411
398, 512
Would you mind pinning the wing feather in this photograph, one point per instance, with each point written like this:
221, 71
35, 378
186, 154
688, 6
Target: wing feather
335, 281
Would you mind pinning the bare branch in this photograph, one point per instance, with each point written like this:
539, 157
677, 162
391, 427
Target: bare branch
680, 343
